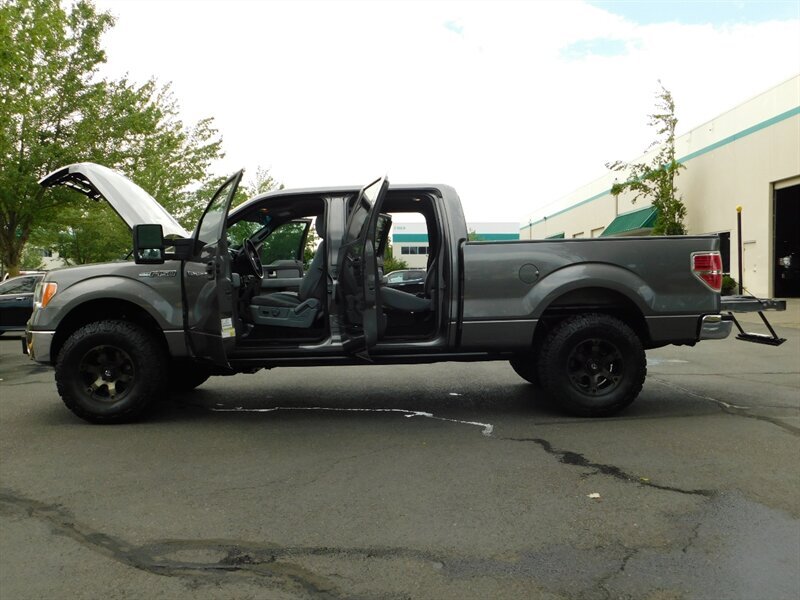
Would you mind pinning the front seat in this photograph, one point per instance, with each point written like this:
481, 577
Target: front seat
289, 309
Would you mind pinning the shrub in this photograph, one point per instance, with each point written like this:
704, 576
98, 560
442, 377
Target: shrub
729, 285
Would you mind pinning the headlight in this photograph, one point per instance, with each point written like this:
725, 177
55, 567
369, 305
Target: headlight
45, 290
785, 261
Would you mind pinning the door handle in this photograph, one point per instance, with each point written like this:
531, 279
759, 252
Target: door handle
212, 268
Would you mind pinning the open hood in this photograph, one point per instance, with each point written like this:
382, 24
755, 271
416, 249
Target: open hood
132, 203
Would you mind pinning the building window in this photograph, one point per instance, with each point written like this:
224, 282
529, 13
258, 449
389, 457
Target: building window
413, 250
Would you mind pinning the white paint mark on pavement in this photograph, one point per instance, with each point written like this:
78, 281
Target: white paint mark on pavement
689, 392
652, 362
487, 428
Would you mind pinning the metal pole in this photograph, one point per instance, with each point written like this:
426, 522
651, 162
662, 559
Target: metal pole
739, 241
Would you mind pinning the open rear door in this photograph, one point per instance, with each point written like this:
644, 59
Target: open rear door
209, 295
359, 299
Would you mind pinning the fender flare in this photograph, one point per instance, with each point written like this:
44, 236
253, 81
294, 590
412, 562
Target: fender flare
113, 287
590, 275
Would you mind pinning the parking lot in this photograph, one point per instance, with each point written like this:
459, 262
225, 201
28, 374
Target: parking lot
436, 481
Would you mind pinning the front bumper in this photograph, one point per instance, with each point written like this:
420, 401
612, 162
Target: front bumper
715, 327
38, 344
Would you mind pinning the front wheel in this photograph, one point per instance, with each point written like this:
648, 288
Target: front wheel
593, 365
111, 371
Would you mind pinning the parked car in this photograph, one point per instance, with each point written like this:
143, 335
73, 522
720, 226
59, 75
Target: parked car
6, 277
16, 300
407, 280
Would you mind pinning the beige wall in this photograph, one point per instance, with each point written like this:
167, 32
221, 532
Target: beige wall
735, 159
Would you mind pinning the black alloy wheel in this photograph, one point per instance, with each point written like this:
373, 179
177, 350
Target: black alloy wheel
592, 365
111, 371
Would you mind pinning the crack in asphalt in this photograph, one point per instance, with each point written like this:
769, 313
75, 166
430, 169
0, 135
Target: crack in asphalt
562, 569
693, 536
261, 560
602, 583
732, 409
568, 457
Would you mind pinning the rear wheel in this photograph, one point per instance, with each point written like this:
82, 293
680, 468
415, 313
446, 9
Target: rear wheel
593, 365
110, 371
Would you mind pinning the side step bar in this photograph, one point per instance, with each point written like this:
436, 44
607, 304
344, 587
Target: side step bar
733, 304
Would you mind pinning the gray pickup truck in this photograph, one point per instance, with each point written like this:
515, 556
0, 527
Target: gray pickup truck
573, 317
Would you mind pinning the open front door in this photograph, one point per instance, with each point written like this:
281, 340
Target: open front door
359, 292
209, 295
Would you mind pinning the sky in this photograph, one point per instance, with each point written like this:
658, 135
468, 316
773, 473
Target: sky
515, 104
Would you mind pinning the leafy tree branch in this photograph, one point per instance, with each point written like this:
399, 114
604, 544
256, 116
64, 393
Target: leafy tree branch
655, 181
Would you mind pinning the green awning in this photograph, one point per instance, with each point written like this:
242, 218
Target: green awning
555, 236
637, 222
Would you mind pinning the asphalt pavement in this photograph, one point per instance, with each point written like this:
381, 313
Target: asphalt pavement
436, 481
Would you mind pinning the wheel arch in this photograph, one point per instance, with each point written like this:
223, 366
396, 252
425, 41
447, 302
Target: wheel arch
101, 309
597, 288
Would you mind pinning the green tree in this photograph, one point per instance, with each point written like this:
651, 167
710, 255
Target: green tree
312, 241
88, 232
56, 110
473, 236
390, 263
655, 181
192, 202
263, 182
32, 259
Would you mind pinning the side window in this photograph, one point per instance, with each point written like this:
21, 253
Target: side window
395, 278
240, 231
212, 223
285, 243
20, 285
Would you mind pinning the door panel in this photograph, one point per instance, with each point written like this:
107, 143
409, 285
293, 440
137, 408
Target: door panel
16, 301
210, 298
359, 299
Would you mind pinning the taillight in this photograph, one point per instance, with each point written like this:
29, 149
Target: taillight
707, 267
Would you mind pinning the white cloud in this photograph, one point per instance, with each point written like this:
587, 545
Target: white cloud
477, 95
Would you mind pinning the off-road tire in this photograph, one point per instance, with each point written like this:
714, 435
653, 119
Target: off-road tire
185, 376
111, 371
592, 365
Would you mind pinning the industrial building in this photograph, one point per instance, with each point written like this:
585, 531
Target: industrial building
410, 240
748, 156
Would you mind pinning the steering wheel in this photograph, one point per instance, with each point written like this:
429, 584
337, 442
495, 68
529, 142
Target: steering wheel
253, 259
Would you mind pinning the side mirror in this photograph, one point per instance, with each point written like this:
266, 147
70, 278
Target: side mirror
148, 244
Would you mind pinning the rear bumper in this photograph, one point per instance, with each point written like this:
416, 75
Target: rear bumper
715, 327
